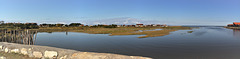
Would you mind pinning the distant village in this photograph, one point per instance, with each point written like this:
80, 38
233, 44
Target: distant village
235, 24
36, 25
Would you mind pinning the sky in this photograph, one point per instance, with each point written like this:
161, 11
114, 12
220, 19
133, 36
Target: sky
172, 12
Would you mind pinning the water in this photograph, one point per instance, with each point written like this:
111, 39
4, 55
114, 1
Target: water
149, 30
202, 43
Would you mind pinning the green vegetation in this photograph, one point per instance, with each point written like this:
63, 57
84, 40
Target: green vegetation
190, 31
96, 29
118, 31
165, 31
15, 56
233, 27
75, 24
61, 25
19, 26
104, 26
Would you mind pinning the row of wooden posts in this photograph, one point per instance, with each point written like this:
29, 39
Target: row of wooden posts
27, 37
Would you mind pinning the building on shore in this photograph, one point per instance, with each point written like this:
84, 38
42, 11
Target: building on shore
235, 24
139, 25
230, 25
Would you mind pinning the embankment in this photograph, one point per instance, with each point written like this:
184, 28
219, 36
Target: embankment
58, 53
233, 27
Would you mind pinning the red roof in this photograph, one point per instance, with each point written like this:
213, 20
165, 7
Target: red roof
230, 24
236, 23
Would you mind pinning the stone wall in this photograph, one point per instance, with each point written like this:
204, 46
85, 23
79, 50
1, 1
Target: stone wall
58, 53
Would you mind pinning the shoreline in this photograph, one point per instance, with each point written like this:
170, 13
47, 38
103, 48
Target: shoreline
58, 53
237, 28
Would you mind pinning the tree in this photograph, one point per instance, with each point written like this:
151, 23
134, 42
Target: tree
111, 26
75, 24
59, 25
1, 22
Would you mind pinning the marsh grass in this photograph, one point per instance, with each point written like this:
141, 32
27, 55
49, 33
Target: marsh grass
190, 31
117, 31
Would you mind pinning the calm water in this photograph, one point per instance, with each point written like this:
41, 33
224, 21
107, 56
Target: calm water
203, 43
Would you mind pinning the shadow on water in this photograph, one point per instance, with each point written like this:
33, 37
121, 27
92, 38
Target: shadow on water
18, 36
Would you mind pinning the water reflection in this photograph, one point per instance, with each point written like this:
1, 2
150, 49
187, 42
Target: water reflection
236, 33
18, 36
203, 43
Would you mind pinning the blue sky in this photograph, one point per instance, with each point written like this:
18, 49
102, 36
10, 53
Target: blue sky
173, 12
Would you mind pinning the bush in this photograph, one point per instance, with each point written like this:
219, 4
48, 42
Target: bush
111, 26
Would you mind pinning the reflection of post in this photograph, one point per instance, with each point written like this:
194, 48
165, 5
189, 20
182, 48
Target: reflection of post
35, 37
66, 33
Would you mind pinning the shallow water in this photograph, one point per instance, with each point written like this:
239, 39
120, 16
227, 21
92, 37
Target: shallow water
149, 30
202, 43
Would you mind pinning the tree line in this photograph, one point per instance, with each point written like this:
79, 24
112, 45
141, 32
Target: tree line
36, 26
20, 25
61, 25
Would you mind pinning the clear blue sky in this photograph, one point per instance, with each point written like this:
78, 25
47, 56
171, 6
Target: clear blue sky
173, 12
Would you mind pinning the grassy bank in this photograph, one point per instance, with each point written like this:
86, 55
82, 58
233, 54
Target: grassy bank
163, 32
118, 31
233, 27
90, 30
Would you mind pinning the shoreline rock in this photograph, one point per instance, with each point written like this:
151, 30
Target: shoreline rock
59, 53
